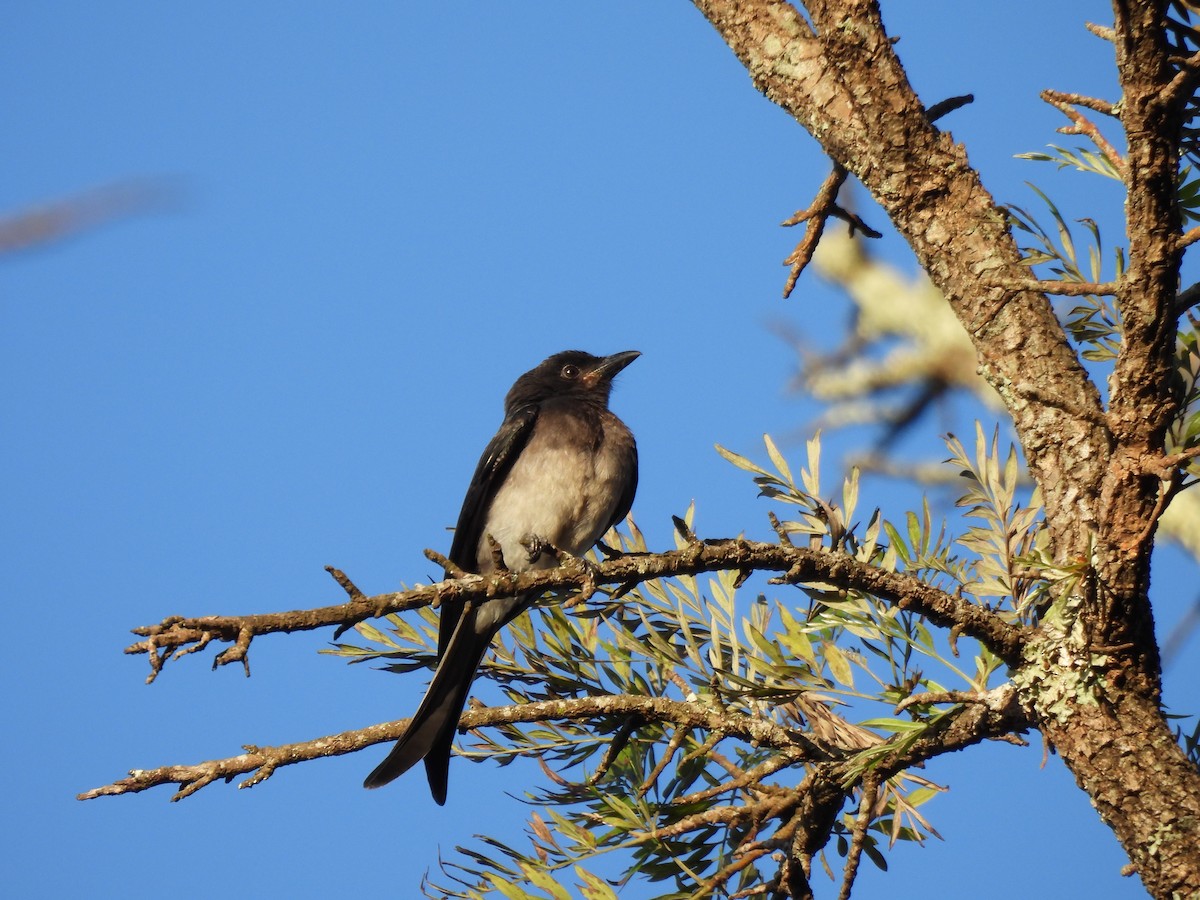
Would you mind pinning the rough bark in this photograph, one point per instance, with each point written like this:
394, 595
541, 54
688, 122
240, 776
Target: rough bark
1090, 679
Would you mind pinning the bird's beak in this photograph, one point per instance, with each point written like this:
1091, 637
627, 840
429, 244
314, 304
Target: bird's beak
609, 366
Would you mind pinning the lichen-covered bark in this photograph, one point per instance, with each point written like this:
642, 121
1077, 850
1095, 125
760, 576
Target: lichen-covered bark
1091, 677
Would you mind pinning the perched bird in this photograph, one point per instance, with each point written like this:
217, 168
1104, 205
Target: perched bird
559, 473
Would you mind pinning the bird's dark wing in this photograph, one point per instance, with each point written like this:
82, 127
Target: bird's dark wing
631, 482
497, 459
462, 640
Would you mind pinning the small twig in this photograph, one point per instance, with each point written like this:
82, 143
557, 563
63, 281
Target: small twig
1189, 237
1165, 465
952, 639
196, 648
622, 590
38, 226
587, 587
742, 861
1013, 739
935, 697
706, 748
616, 745
826, 196
761, 811
947, 106
239, 652
347, 585
685, 530
858, 837
1165, 493
497, 553
1082, 125
1103, 107
452, 571
1060, 288
749, 780
610, 552
784, 537
820, 805
1184, 82
1102, 31
1187, 298
816, 216
673, 745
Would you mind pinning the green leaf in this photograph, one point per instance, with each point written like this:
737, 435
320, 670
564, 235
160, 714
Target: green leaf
740, 461
895, 726
544, 880
777, 459
839, 665
509, 890
812, 475
594, 888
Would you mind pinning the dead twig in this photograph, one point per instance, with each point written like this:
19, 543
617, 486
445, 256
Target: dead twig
816, 216
1059, 288
947, 106
858, 837
1082, 125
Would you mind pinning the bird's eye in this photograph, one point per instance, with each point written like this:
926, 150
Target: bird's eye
570, 372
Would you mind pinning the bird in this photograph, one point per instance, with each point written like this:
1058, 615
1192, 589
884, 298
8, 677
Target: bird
561, 471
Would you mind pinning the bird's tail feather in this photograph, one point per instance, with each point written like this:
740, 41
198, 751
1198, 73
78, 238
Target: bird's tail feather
430, 735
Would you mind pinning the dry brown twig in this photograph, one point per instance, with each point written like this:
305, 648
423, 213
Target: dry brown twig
858, 836
1082, 125
261, 762
57, 220
178, 636
817, 215
1059, 288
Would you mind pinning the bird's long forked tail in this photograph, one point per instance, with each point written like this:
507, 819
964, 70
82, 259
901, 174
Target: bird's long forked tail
430, 735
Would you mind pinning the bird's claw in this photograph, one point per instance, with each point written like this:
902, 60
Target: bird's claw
535, 546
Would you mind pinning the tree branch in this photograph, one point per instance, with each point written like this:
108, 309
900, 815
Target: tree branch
1059, 288
840, 78
1139, 412
177, 636
817, 215
261, 762
1082, 125
960, 728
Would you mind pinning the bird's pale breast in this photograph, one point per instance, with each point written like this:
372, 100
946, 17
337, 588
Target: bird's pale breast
562, 488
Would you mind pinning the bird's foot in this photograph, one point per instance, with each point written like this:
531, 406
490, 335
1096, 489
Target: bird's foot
535, 546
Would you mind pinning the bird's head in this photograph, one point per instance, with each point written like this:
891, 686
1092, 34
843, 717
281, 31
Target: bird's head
571, 373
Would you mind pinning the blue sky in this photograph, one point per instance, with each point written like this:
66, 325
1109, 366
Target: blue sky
373, 221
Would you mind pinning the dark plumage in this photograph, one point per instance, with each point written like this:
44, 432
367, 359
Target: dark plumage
561, 471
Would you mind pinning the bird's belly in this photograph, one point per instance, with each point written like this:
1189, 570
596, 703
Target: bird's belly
563, 495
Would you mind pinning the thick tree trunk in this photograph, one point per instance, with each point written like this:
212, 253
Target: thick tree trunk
1090, 678
1125, 757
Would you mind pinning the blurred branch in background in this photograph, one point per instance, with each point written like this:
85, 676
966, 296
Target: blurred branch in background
904, 355
37, 227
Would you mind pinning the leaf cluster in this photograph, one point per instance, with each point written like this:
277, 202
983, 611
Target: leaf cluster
697, 811
1094, 321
